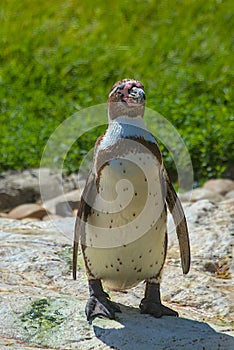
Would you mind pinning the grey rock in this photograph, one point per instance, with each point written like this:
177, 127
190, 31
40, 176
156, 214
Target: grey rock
65, 204
221, 186
28, 186
200, 209
35, 269
24, 187
229, 195
198, 194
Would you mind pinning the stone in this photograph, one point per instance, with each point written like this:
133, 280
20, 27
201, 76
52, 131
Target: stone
27, 211
28, 186
198, 210
19, 187
3, 215
65, 204
51, 217
220, 186
210, 266
29, 219
229, 195
75, 181
42, 307
200, 193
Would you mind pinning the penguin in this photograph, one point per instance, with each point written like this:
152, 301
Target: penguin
122, 220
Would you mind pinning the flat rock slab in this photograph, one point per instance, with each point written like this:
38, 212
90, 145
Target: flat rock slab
41, 307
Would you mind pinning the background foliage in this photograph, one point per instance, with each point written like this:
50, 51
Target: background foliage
60, 56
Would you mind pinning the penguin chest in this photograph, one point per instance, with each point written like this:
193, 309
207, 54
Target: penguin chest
124, 237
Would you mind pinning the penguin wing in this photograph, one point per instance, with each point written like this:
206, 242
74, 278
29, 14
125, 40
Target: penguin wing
86, 203
177, 212
87, 199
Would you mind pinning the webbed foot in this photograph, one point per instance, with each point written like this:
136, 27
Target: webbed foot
151, 304
99, 304
156, 309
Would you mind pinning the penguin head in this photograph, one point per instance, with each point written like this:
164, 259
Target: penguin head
126, 99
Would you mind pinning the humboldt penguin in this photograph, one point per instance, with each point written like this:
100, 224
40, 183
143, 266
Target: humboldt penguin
122, 220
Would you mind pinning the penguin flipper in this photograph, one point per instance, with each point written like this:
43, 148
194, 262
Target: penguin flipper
86, 202
177, 212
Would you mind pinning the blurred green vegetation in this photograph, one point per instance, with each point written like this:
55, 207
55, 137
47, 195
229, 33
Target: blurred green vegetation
58, 57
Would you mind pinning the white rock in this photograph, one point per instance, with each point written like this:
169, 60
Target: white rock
35, 265
65, 204
199, 193
221, 186
229, 195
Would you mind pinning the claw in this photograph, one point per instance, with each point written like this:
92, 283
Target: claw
100, 307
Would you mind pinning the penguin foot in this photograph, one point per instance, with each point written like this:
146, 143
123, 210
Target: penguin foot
156, 309
100, 306
151, 304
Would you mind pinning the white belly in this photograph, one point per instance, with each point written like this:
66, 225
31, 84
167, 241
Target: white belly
125, 234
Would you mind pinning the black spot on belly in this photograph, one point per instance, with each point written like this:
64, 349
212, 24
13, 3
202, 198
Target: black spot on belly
150, 250
111, 265
139, 270
117, 270
140, 256
106, 266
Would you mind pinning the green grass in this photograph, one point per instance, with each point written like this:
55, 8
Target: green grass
58, 57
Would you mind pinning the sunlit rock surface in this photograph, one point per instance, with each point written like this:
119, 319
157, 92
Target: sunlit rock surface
41, 306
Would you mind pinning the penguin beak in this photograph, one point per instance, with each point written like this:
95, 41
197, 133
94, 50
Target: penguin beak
136, 96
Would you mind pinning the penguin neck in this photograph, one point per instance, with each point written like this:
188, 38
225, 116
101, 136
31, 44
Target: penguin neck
126, 127
122, 120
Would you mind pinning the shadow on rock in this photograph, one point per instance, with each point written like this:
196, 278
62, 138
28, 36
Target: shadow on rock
143, 332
